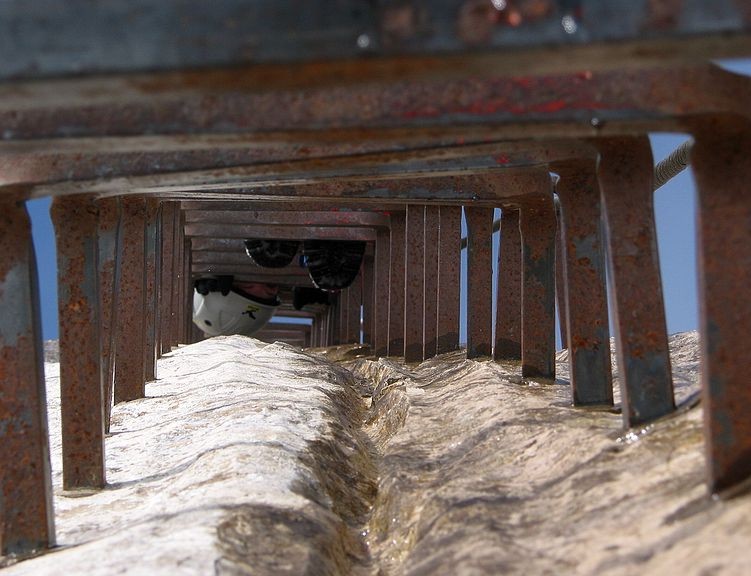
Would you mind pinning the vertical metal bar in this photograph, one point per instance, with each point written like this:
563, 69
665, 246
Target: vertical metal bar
479, 281
26, 517
508, 320
81, 395
721, 161
368, 298
449, 278
354, 295
335, 320
560, 296
583, 289
166, 284
537, 225
186, 294
414, 283
150, 254
430, 281
396, 286
177, 277
129, 368
343, 315
109, 231
381, 307
626, 182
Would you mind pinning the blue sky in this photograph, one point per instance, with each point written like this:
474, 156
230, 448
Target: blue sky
674, 209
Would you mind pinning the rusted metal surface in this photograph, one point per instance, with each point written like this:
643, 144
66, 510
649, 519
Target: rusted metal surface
69, 40
430, 275
721, 163
526, 106
81, 392
396, 285
368, 299
382, 292
178, 270
355, 293
560, 296
186, 294
108, 236
626, 184
167, 247
26, 515
295, 217
479, 281
150, 287
585, 293
129, 367
414, 283
282, 232
449, 278
537, 225
508, 322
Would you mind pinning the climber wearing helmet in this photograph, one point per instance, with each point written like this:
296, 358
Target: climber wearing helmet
223, 307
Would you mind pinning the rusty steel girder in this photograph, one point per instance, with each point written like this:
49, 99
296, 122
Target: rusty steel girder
508, 323
82, 398
26, 515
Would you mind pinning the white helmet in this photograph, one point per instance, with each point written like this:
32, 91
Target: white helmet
234, 312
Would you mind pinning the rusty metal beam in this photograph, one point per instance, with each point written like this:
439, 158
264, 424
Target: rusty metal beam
82, 396
538, 106
381, 305
167, 247
396, 286
449, 278
26, 517
626, 184
368, 299
129, 368
150, 288
475, 36
720, 161
584, 292
108, 264
414, 283
479, 281
537, 225
508, 323
354, 297
430, 282
293, 217
281, 232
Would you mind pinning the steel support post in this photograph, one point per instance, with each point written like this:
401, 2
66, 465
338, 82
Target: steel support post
508, 319
396, 286
342, 319
368, 298
150, 251
26, 517
583, 291
721, 161
177, 277
186, 321
537, 225
129, 368
337, 319
479, 281
449, 278
626, 185
354, 295
109, 259
414, 283
430, 281
166, 284
560, 296
81, 392
381, 307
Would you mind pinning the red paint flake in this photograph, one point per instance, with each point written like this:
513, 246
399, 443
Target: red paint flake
502, 159
523, 81
460, 141
549, 107
584, 75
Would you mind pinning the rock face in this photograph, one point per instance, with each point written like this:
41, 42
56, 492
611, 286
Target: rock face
260, 459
